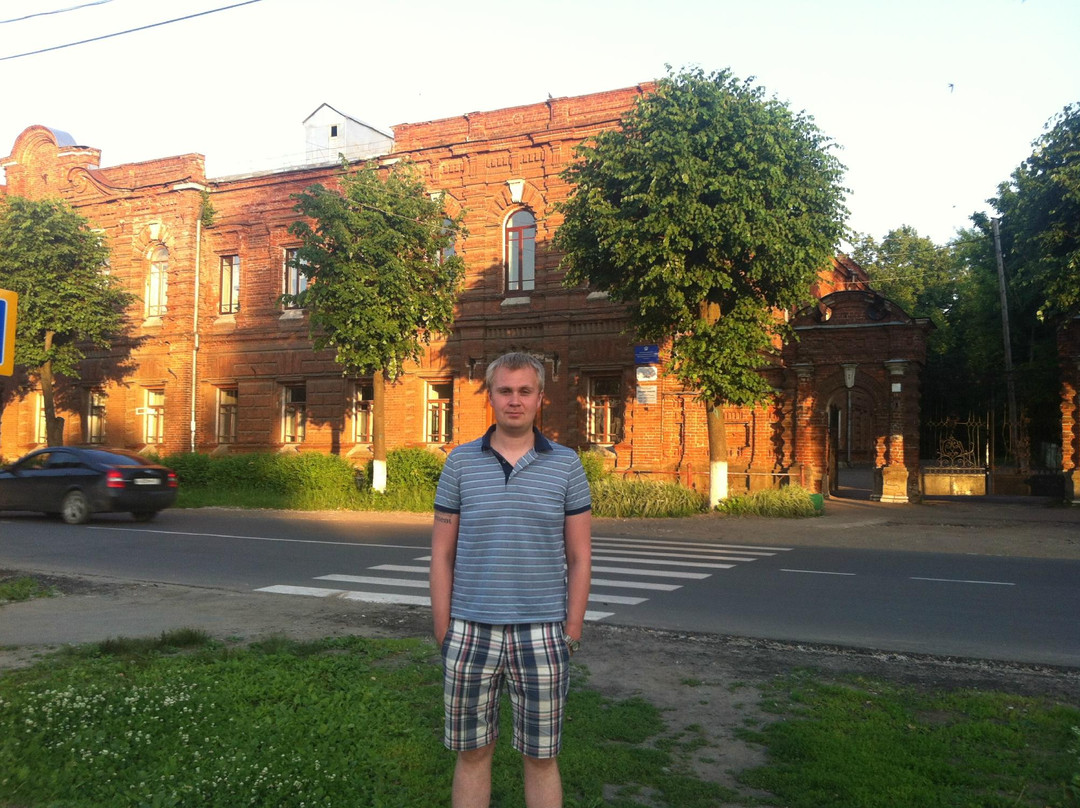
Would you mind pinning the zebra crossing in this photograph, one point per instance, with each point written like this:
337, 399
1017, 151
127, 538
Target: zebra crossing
626, 572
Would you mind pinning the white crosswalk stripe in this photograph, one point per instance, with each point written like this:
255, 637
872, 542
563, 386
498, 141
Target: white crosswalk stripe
668, 563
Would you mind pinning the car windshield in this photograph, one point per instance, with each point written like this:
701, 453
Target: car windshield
117, 458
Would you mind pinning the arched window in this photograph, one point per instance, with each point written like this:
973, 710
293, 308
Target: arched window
521, 252
157, 282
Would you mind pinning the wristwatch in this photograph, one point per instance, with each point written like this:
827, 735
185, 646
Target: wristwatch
571, 643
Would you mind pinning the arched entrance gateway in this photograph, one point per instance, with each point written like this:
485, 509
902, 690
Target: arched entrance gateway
852, 375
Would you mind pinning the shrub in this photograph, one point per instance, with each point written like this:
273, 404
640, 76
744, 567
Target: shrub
413, 468
618, 497
790, 501
316, 481
593, 464
191, 467
307, 480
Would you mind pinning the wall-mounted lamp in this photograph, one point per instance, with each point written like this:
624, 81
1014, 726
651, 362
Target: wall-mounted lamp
472, 367
849, 374
555, 366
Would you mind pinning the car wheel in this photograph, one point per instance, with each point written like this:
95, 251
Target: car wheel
75, 509
143, 516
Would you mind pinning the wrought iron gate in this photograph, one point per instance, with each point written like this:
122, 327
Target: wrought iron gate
957, 455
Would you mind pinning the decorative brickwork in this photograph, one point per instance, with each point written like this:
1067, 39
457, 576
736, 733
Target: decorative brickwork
856, 361
210, 364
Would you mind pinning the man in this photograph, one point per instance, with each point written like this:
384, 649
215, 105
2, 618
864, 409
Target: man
510, 567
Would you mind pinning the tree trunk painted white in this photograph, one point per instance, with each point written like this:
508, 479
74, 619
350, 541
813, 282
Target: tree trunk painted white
378, 475
718, 490
378, 432
718, 463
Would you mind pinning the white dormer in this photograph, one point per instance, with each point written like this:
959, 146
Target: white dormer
329, 133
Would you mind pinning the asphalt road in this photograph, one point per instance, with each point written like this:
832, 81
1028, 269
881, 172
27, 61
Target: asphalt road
711, 576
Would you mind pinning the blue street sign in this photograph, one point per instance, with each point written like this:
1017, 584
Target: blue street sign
647, 354
7, 332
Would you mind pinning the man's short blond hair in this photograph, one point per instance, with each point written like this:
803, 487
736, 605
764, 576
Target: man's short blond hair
515, 361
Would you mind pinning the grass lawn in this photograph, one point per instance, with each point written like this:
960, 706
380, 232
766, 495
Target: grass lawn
183, 720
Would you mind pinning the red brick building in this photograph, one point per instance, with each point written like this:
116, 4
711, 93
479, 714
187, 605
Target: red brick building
213, 363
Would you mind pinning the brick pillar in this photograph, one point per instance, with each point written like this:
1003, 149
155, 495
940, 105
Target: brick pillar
894, 476
1070, 430
809, 440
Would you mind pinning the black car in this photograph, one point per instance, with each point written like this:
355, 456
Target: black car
76, 483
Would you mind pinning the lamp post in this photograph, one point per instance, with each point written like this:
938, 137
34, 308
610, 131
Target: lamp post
849, 382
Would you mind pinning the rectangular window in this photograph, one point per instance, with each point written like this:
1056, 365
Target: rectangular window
363, 412
230, 284
605, 409
41, 432
294, 413
295, 280
521, 252
440, 412
154, 416
95, 417
157, 281
226, 414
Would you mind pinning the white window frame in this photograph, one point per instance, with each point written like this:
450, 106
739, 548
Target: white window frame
604, 409
154, 416
229, 298
225, 427
293, 280
293, 413
438, 411
519, 258
95, 417
41, 426
156, 291
363, 409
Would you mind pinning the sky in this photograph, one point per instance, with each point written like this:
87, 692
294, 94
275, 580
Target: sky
933, 103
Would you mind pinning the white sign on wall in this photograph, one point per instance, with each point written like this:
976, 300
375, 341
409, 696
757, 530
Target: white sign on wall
646, 373
646, 394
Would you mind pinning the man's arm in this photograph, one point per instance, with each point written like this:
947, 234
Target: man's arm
578, 532
444, 536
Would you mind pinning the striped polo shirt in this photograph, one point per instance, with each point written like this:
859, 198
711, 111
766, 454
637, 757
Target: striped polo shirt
511, 551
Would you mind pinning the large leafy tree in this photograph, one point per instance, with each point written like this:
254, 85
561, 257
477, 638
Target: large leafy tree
910, 270
382, 275
710, 208
925, 279
1039, 208
56, 264
1038, 211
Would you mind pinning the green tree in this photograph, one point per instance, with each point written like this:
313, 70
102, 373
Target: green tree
910, 270
382, 275
1039, 207
67, 302
711, 207
924, 279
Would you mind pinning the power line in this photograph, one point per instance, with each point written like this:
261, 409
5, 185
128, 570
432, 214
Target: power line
128, 31
55, 11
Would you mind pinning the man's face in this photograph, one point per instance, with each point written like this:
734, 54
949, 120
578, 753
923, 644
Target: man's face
515, 398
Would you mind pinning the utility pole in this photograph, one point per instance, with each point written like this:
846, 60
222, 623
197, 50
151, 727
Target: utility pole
1010, 382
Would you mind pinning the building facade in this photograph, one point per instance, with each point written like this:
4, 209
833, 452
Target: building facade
212, 362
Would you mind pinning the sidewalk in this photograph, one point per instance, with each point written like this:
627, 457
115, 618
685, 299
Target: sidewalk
1031, 527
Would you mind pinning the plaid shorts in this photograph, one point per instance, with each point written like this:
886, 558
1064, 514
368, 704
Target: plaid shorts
531, 659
